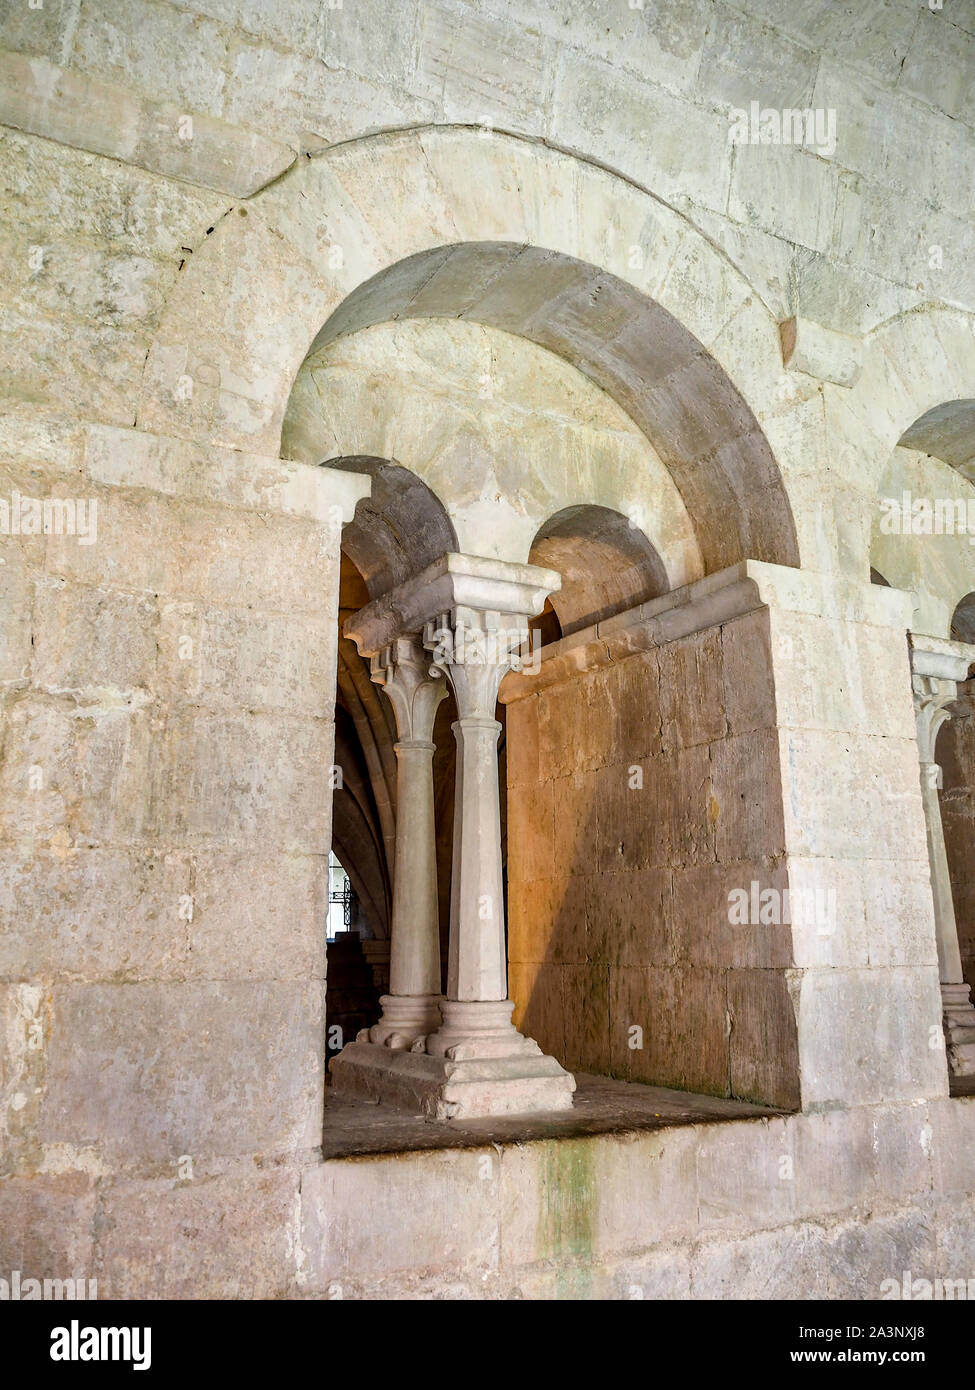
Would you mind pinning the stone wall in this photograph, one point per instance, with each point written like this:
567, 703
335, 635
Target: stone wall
644, 90
189, 191
165, 806
640, 795
806, 1206
786, 730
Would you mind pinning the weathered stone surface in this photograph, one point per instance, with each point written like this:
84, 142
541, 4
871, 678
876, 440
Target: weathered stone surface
110, 1080
236, 1236
505, 259
885, 1020
405, 1233
46, 1227
63, 104
63, 914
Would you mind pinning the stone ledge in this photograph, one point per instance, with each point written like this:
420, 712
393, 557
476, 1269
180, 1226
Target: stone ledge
820, 352
512, 1209
87, 114
128, 458
718, 598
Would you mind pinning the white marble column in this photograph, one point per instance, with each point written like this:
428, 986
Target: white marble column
937, 667
411, 1009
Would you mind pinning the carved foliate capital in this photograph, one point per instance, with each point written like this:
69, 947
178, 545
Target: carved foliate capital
932, 695
475, 650
414, 687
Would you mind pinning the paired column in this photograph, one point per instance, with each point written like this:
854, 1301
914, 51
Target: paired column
411, 1009
937, 667
469, 1060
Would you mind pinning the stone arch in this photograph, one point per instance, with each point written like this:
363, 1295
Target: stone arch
607, 565
915, 392
918, 376
399, 529
502, 451
933, 459
623, 285
946, 431
963, 620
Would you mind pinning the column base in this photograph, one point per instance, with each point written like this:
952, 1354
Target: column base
405, 1018
959, 1024
481, 1071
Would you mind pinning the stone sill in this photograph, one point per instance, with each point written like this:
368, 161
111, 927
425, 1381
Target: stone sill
602, 1105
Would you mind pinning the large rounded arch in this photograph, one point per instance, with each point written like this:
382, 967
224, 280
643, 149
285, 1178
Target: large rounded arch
503, 230
504, 432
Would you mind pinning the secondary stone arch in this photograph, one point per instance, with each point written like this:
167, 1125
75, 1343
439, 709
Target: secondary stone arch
607, 565
917, 384
629, 291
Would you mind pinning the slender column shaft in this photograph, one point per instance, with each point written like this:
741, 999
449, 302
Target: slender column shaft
949, 954
412, 1008
476, 650
476, 966
414, 960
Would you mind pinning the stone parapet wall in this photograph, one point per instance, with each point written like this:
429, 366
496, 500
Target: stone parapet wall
775, 747
640, 795
806, 1206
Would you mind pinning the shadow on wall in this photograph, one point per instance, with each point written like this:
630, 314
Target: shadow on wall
640, 795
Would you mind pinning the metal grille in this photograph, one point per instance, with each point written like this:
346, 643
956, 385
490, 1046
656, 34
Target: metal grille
347, 897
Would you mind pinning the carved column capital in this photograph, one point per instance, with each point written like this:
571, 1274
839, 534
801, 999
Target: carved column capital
413, 685
937, 667
932, 696
476, 649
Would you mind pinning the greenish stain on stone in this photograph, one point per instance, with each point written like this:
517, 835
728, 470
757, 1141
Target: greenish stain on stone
567, 1214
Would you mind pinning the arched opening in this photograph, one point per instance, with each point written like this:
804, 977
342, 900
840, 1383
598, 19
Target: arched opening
607, 565
393, 535
925, 516
654, 725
